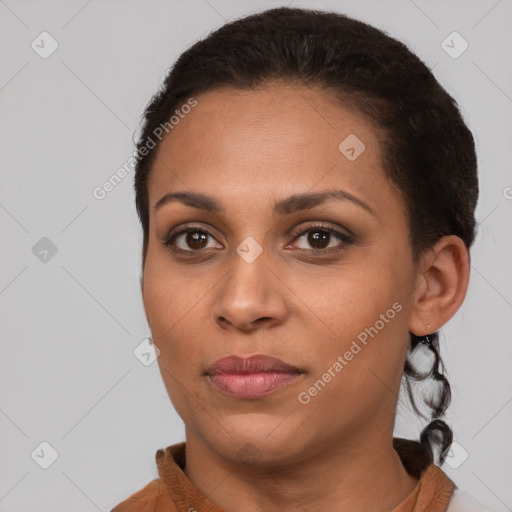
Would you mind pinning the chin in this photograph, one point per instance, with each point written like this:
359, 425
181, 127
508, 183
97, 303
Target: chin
255, 440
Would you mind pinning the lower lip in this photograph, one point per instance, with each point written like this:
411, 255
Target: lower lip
252, 385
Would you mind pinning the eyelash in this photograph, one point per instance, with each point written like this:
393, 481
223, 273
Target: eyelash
343, 237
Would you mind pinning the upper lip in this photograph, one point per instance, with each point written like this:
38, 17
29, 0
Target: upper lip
254, 364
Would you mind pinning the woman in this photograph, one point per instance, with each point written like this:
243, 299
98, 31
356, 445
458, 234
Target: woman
307, 192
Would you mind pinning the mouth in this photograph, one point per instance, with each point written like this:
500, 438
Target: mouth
252, 377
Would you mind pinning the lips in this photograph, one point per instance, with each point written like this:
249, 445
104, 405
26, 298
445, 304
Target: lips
251, 377
253, 364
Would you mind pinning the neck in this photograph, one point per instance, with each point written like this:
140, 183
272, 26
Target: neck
366, 474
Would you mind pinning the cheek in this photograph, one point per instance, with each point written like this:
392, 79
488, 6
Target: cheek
352, 298
178, 331
173, 303
365, 310
359, 370
170, 290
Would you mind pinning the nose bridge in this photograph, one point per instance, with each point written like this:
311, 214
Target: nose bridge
250, 291
247, 281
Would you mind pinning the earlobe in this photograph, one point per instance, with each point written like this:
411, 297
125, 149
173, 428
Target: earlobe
442, 285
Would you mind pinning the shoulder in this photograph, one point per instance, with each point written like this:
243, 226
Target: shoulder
461, 501
144, 500
156, 496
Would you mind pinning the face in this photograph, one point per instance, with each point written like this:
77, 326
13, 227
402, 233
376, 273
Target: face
323, 283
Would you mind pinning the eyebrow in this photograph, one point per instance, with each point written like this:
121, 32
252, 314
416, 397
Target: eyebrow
292, 204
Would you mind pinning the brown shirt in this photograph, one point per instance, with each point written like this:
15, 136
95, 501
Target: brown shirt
174, 492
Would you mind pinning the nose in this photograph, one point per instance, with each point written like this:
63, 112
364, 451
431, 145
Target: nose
250, 297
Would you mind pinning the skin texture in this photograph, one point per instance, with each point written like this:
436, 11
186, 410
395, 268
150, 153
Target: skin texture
249, 149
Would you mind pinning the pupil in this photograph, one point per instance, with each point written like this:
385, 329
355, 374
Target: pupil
318, 237
196, 240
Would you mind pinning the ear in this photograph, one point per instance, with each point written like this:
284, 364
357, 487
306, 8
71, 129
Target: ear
441, 285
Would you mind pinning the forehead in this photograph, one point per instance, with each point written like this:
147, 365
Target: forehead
280, 137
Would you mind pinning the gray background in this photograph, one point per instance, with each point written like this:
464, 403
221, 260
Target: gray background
70, 324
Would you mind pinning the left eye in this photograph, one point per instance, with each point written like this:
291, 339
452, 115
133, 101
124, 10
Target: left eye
319, 238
